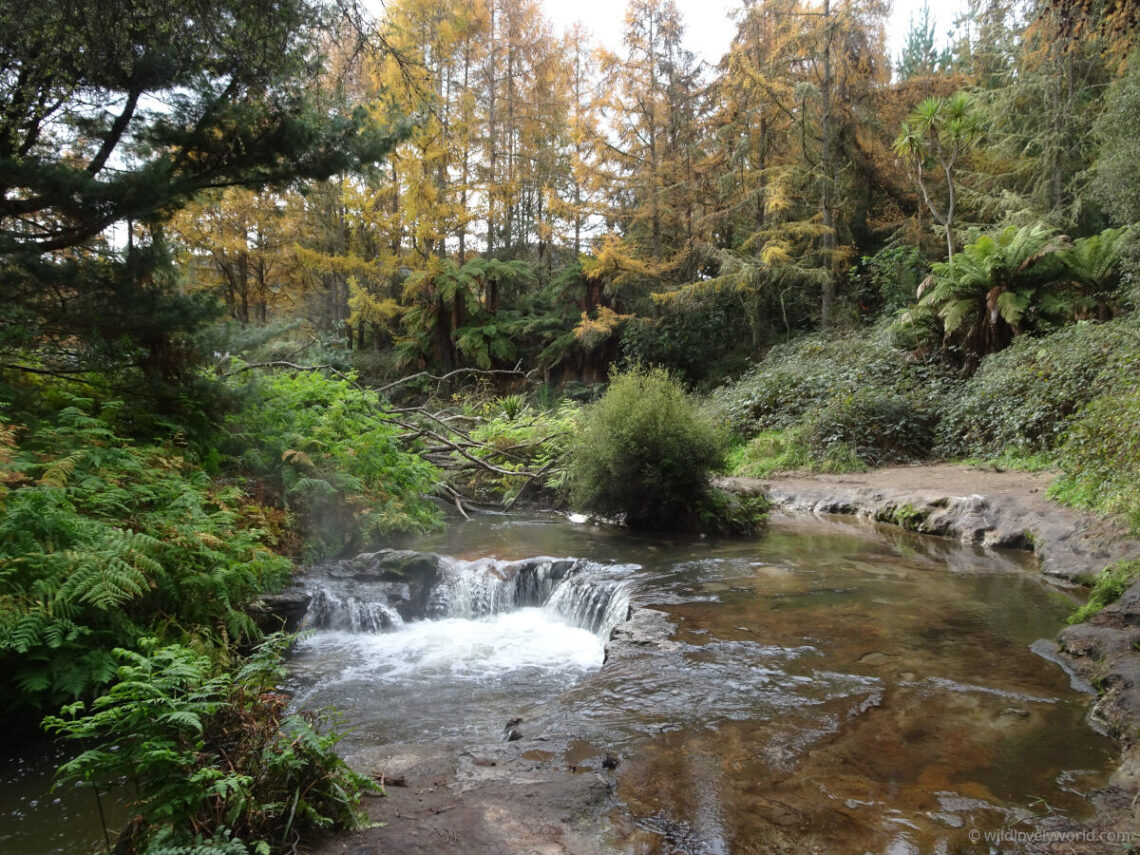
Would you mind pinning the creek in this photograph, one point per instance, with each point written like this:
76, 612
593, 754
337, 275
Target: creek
832, 683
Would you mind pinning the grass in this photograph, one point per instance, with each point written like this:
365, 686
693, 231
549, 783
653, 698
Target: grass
1011, 458
1108, 587
774, 451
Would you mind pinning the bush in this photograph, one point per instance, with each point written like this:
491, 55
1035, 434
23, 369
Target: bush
1101, 456
804, 376
326, 448
215, 760
838, 404
877, 426
1021, 400
645, 451
700, 341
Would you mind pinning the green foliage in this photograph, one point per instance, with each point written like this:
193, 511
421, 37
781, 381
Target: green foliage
725, 513
1115, 184
875, 425
644, 450
103, 541
700, 341
774, 451
215, 759
1109, 586
1020, 401
528, 441
798, 380
892, 277
327, 449
1100, 457
997, 287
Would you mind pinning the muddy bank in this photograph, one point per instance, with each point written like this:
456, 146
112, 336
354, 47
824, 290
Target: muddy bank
1000, 509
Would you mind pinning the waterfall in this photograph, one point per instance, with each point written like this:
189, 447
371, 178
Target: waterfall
375, 593
596, 606
349, 613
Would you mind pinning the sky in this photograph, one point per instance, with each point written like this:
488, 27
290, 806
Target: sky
709, 30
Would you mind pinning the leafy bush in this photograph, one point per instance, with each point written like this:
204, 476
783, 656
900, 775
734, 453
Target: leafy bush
1022, 399
891, 278
843, 402
876, 425
1109, 586
327, 448
103, 541
700, 341
645, 450
1100, 457
787, 450
214, 759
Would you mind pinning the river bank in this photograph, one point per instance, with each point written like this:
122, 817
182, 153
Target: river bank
553, 795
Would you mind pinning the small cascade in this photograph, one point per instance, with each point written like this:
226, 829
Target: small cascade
479, 589
349, 613
376, 593
597, 606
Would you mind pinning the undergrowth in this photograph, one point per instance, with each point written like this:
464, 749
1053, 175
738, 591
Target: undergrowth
104, 541
217, 763
327, 451
1109, 586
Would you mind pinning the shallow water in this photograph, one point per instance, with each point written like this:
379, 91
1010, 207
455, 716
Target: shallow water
832, 684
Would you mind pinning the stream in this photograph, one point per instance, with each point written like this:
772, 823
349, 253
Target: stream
833, 683
831, 686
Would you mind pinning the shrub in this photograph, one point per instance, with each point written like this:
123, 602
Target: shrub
700, 341
787, 450
644, 450
1101, 456
215, 759
800, 378
879, 427
841, 403
1021, 400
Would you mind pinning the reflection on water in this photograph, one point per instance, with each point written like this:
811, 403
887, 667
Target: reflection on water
831, 687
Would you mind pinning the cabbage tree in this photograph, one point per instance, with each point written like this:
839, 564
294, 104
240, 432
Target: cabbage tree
938, 134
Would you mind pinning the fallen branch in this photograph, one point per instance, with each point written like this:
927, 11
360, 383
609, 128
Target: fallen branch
490, 467
483, 372
511, 505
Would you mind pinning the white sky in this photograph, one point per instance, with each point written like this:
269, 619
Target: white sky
709, 30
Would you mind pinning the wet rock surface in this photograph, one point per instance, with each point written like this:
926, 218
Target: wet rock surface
519, 797
976, 505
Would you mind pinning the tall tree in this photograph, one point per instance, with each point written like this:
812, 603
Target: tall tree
118, 114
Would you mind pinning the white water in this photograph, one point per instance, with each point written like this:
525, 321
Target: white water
406, 684
462, 648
